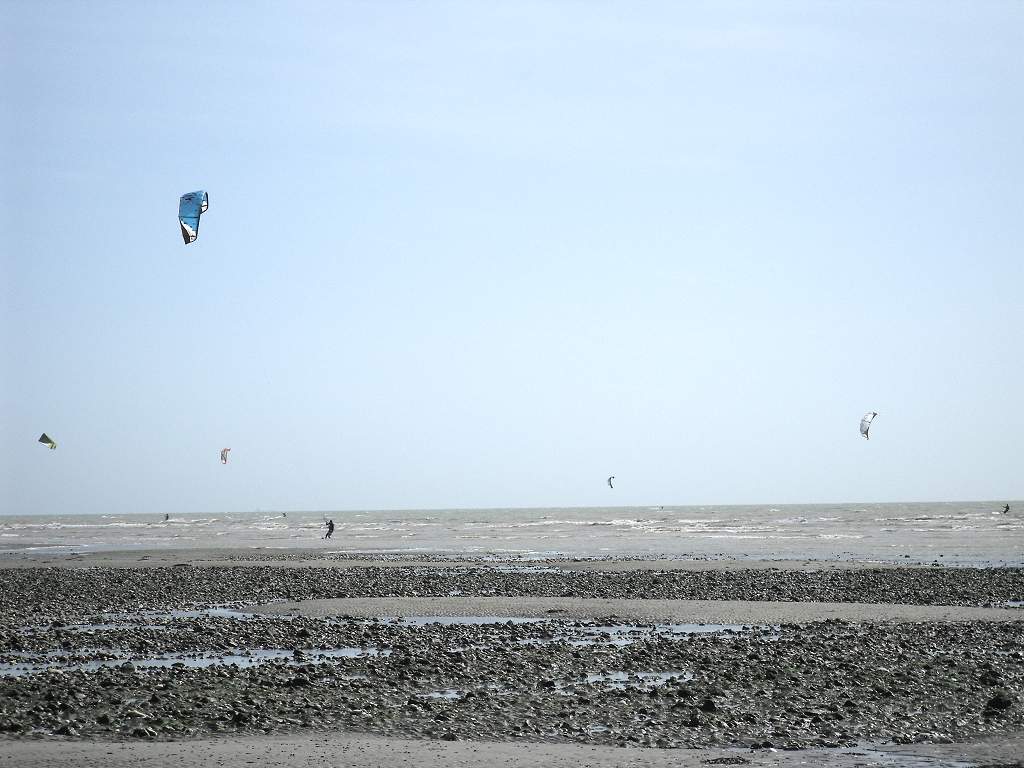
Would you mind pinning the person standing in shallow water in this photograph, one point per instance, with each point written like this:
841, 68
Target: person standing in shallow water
330, 529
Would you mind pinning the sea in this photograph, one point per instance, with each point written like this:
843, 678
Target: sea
949, 533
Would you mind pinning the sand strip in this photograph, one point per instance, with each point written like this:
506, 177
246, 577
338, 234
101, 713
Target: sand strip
676, 611
299, 558
359, 751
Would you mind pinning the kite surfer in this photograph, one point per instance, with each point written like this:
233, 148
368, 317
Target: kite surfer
1006, 508
330, 529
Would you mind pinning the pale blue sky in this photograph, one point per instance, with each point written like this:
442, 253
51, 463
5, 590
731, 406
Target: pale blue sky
486, 254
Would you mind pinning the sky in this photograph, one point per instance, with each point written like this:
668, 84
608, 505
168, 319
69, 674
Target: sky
466, 254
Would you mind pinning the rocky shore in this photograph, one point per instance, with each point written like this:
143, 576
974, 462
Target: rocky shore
145, 654
60, 592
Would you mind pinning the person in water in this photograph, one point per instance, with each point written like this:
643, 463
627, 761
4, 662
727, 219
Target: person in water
166, 517
330, 529
1006, 508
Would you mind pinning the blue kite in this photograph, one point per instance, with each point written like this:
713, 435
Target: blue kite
190, 207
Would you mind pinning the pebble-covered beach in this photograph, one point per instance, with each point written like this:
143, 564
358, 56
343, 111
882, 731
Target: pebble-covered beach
154, 653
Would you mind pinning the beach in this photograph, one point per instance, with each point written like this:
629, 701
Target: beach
452, 384
361, 751
300, 657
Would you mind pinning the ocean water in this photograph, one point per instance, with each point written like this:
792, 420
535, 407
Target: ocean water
965, 533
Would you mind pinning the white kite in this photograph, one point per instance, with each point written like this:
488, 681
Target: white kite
865, 423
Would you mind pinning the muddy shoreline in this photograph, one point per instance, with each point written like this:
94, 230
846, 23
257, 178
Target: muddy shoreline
55, 591
828, 659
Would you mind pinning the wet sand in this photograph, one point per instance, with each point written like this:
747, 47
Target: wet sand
316, 558
675, 611
360, 751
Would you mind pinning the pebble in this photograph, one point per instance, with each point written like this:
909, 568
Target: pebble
829, 683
